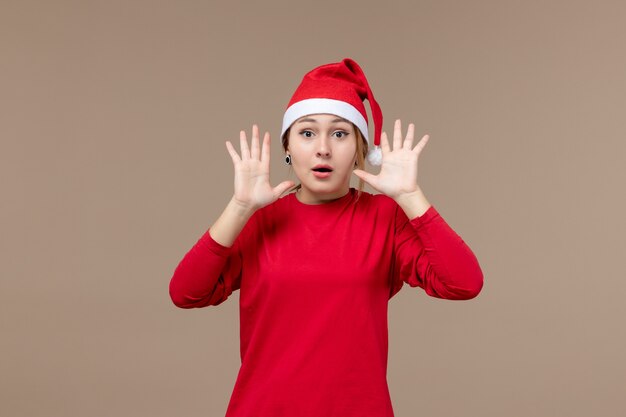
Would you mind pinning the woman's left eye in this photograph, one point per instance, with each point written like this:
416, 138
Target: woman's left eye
341, 134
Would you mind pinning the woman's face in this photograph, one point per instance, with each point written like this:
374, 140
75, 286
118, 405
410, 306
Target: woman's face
323, 154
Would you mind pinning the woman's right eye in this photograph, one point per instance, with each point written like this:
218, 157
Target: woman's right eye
306, 133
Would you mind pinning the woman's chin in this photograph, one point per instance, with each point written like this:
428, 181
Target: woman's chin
324, 188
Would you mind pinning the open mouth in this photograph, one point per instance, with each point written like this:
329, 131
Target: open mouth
322, 168
322, 171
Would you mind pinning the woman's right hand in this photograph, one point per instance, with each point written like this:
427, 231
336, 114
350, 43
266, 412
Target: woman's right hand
252, 173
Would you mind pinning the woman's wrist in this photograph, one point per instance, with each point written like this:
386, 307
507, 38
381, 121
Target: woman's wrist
240, 209
228, 226
414, 203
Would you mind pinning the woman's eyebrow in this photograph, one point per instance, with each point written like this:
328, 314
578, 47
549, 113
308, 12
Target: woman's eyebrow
308, 119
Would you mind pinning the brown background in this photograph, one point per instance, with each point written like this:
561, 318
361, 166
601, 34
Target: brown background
113, 121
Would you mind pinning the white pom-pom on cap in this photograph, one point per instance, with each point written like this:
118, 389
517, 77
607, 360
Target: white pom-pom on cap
375, 156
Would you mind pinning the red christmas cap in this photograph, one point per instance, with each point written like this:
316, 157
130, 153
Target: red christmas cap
339, 89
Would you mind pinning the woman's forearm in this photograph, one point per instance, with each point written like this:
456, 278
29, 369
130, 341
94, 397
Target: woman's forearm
230, 223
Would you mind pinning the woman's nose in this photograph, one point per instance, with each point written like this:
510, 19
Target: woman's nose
323, 148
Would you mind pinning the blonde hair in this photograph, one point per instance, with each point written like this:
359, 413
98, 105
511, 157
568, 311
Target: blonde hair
361, 153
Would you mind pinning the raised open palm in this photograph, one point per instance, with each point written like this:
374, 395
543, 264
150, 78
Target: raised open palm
252, 172
398, 172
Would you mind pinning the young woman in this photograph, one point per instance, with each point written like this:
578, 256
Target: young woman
316, 268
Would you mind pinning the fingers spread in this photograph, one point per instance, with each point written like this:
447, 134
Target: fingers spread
420, 145
243, 143
384, 143
265, 151
233, 154
408, 141
365, 176
282, 187
255, 151
397, 135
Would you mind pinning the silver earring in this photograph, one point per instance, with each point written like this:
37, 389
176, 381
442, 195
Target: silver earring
288, 159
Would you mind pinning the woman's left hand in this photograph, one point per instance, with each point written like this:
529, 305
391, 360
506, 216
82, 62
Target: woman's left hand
398, 172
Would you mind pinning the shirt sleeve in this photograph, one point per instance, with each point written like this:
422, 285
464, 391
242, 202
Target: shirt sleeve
207, 274
428, 253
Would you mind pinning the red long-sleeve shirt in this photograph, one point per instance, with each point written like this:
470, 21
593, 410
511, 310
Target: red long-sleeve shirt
315, 281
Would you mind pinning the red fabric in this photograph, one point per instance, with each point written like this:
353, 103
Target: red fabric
315, 281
